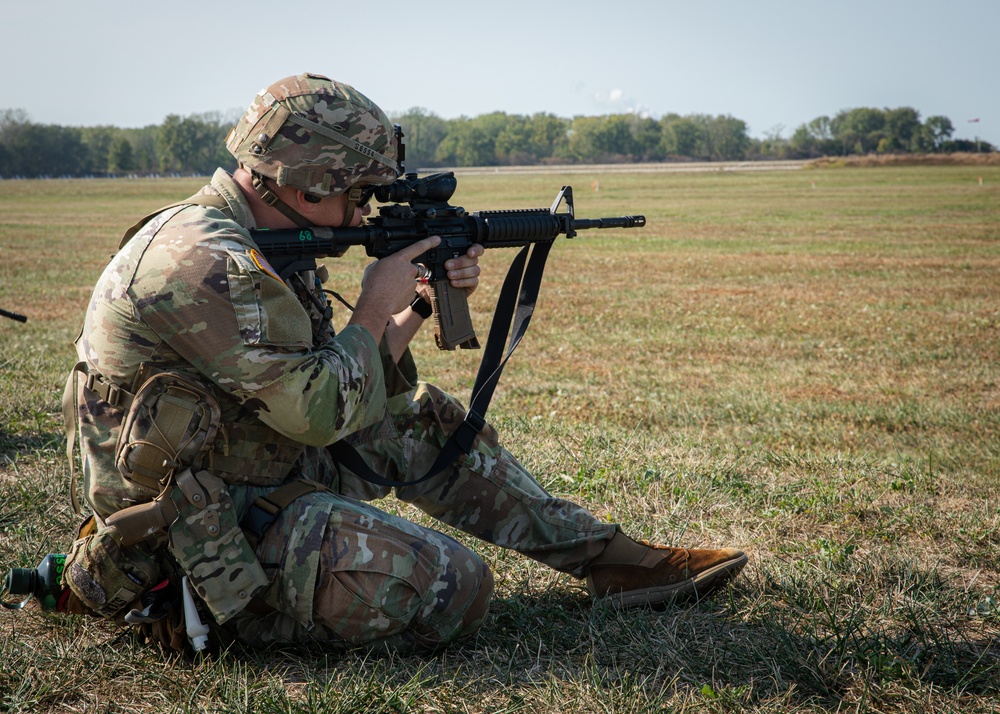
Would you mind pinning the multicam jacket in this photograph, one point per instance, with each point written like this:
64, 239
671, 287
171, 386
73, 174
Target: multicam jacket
191, 294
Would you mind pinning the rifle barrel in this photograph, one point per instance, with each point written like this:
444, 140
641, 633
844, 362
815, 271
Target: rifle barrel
612, 222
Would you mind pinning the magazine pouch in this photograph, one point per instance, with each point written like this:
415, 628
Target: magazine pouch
171, 424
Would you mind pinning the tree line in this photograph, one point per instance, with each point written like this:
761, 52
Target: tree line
195, 144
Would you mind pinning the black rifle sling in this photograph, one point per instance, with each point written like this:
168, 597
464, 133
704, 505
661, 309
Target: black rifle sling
515, 305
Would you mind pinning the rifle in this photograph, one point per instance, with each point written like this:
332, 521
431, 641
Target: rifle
13, 315
418, 208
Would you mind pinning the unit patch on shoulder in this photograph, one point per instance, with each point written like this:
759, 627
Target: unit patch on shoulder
261, 262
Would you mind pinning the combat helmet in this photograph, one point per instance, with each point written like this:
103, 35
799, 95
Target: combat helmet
317, 135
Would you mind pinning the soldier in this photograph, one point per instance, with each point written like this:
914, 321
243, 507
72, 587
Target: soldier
288, 547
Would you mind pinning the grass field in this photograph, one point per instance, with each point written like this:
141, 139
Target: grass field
802, 364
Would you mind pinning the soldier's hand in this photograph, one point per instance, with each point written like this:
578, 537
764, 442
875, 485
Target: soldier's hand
463, 272
388, 284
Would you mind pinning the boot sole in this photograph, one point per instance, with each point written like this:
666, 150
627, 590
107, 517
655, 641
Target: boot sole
702, 585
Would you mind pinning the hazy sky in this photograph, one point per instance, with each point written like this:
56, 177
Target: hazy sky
775, 64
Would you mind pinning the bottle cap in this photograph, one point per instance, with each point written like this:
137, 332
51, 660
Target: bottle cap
19, 581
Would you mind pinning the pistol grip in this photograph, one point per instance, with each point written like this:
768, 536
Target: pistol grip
452, 321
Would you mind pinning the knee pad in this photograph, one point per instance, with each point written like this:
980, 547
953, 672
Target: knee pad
476, 612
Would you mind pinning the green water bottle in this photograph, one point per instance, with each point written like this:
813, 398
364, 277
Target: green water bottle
44, 583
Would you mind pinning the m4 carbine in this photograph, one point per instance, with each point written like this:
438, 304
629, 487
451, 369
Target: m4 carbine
417, 207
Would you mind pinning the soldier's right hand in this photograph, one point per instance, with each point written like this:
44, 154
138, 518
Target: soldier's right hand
390, 282
388, 287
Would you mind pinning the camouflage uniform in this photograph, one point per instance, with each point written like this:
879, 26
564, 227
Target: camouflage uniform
190, 293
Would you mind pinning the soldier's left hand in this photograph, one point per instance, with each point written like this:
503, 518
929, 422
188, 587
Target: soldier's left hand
463, 271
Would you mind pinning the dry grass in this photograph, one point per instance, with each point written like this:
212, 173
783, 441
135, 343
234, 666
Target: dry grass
802, 364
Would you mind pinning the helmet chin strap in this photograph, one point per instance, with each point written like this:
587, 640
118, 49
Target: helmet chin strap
353, 199
271, 199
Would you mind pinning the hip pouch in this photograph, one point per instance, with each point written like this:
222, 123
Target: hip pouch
108, 577
171, 424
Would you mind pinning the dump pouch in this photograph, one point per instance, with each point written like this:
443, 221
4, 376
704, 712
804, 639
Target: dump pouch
107, 577
171, 424
209, 546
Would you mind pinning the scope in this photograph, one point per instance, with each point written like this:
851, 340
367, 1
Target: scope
433, 188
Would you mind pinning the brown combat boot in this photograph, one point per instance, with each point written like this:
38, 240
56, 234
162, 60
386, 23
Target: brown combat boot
634, 574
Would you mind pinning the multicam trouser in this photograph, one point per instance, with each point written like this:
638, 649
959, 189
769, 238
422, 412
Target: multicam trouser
346, 572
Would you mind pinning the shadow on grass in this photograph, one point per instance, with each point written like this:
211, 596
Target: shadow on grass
712, 643
29, 442
553, 640
549, 650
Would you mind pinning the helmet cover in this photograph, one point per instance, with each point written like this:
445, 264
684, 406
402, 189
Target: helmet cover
316, 135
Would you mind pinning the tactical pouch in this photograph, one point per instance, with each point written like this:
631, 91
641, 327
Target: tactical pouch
209, 546
107, 577
171, 424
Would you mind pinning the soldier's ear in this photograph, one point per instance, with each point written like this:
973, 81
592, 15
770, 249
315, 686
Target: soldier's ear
306, 203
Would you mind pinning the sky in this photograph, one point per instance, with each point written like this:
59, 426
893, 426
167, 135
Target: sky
775, 64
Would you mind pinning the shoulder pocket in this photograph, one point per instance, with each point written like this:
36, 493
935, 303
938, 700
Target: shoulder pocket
267, 311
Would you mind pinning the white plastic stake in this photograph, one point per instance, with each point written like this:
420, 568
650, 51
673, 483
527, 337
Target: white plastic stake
197, 631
